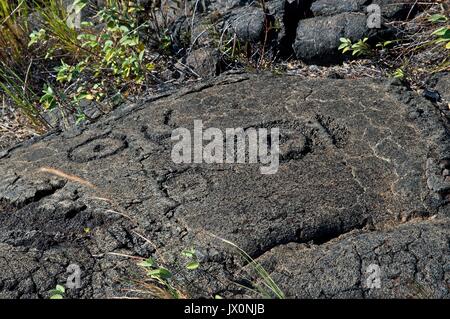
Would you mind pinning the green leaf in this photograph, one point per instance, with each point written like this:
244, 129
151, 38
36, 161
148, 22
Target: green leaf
124, 29
189, 253
441, 31
399, 74
87, 24
87, 37
436, 18
108, 44
80, 118
36, 36
160, 273
149, 262
128, 41
85, 96
141, 56
60, 288
193, 265
56, 297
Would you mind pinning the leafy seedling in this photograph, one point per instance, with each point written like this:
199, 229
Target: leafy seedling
191, 254
58, 292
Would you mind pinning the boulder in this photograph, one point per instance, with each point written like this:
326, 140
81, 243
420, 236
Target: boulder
332, 7
443, 86
317, 39
204, 61
390, 9
247, 23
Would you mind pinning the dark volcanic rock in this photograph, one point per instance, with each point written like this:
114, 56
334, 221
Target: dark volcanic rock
284, 16
357, 156
389, 8
397, 9
248, 23
204, 61
332, 7
443, 86
409, 259
224, 6
317, 38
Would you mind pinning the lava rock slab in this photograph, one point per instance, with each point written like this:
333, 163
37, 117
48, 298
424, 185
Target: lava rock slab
358, 157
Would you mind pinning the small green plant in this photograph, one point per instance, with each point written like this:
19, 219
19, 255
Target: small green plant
59, 35
192, 255
37, 37
13, 30
359, 48
48, 100
443, 36
346, 45
99, 63
399, 74
96, 63
58, 292
161, 275
21, 95
386, 44
268, 288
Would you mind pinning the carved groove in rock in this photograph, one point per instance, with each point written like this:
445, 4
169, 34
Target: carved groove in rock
97, 148
361, 180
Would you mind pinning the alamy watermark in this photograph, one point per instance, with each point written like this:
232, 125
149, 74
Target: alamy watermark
233, 145
74, 10
74, 279
373, 279
373, 16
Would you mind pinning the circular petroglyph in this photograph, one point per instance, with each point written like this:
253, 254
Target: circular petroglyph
97, 148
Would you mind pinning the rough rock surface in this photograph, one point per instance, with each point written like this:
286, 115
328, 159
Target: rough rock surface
413, 259
204, 61
248, 23
309, 29
318, 38
389, 8
331, 7
443, 86
361, 181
